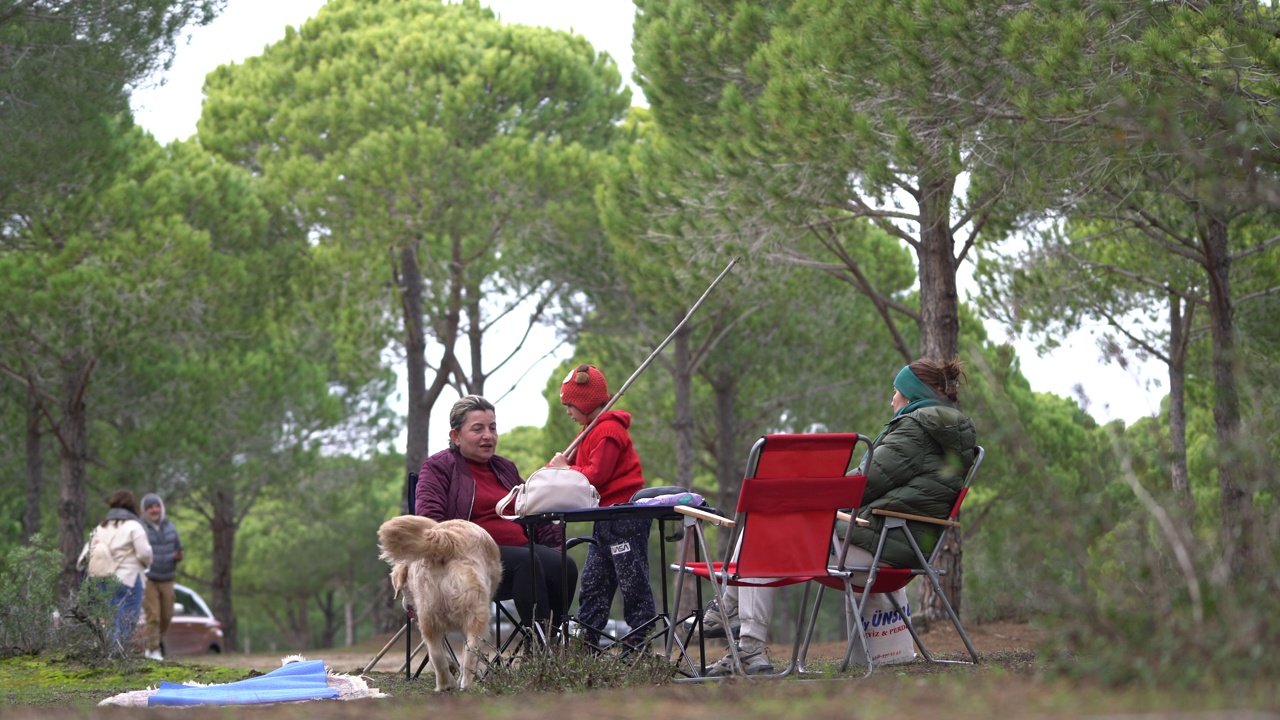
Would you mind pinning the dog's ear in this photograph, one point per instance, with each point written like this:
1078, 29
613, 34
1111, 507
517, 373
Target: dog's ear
399, 576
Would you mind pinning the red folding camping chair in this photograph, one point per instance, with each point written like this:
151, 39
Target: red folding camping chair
786, 514
887, 580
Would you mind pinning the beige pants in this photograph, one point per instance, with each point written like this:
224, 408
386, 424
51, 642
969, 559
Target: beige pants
755, 604
157, 604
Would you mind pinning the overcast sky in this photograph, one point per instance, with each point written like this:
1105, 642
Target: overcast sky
170, 105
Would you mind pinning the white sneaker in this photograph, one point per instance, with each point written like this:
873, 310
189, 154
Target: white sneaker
153, 655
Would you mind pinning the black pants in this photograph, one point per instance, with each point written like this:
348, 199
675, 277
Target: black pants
541, 581
618, 560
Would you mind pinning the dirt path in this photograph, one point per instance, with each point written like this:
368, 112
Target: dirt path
988, 638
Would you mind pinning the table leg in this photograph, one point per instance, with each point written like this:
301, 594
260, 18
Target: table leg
564, 588
529, 532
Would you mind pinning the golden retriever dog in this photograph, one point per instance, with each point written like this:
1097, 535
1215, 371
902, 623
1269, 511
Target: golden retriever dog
449, 573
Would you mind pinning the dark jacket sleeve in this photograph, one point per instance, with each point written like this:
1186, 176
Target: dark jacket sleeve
897, 459
431, 499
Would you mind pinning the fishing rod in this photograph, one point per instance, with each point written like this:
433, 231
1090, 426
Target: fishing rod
573, 446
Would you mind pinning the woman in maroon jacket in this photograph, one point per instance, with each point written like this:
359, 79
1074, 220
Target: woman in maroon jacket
465, 482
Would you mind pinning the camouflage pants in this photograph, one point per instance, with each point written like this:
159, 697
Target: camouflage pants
619, 561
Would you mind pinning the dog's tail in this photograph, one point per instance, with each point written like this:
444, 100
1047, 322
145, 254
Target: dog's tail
408, 538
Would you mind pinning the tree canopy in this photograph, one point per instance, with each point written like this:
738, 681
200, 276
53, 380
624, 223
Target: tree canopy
66, 69
445, 161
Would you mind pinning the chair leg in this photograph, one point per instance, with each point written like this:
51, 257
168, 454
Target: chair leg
808, 635
409, 651
718, 589
937, 588
682, 646
855, 622
911, 628
679, 638
367, 668
955, 620
426, 658
684, 563
718, 585
409, 655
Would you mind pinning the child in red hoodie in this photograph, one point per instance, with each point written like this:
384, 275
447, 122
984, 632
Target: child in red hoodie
620, 556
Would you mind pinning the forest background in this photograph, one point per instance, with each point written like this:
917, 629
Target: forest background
222, 319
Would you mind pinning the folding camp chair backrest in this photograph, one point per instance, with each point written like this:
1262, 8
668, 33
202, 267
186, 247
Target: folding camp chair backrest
808, 455
787, 507
411, 493
978, 454
787, 523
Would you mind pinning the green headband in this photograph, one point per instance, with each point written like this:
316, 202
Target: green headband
911, 386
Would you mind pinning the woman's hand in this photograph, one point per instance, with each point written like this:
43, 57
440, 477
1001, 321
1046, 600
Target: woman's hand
559, 461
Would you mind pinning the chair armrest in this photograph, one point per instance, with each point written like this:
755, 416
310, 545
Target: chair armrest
852, 519
571, 543
916, 518
704, 515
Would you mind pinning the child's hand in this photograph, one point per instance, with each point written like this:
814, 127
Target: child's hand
558, 461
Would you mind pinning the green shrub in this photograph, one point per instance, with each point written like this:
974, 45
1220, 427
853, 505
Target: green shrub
32, 622
28, 598
85, 631
1144, 617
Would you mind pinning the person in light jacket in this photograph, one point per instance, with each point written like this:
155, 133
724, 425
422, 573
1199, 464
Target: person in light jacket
121, 532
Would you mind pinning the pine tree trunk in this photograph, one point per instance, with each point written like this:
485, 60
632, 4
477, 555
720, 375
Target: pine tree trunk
1233, 475
348, 623
939, 340
299, 630
329, 611
73, 437
939, 299
388, 614
35, 471
729, 470
683, 379
415, 348
1178, 327
222, 527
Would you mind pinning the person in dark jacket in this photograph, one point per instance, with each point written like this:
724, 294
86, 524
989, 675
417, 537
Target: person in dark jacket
919, 461
917, 466
465, 482
166, 552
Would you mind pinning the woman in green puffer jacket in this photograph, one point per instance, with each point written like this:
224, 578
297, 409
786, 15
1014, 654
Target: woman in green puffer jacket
917, 466
918, 462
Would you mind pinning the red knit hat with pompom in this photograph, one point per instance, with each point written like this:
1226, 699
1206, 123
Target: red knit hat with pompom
584, 388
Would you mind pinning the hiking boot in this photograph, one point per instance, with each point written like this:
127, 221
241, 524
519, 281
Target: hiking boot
713, 625
754, 662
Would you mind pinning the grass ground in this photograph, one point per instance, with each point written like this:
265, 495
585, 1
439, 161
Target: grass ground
1008, 684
